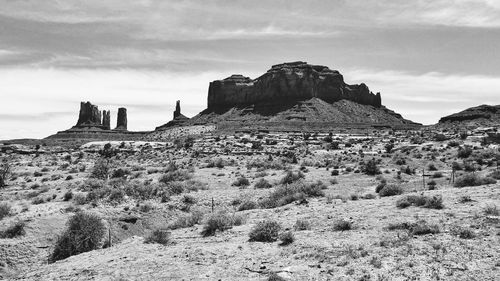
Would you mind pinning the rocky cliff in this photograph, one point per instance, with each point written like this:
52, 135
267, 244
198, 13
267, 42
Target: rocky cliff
89, 116
295, 81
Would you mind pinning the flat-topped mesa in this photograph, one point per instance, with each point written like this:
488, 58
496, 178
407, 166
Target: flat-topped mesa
89, 116
287, 82
121, 121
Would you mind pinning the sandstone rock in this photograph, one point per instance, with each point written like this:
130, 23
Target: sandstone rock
121, 122
89, 115
485, 113
296, 81
106, 120
177, 111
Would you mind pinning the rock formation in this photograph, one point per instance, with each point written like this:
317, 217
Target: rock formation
296, 81
106, 120
89, 116
484, 112
178, 120
121, 122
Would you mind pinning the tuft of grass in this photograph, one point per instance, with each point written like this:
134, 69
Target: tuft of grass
5, 209
342, 225
262, 183
195, 217
491, 210
286, 238
296, 191
159, 236
302, 225
241, 182
291, 177
265, 231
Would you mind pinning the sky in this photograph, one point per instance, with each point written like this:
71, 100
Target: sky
427, 58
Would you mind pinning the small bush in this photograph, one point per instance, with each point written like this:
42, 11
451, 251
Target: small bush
101, 170
84, 232
437, 175
464, 233
287, 194
262, 183
273, 276
190, 220
80, 198
286, 238
14, 231
247, 205
491, 210
5, 209
391, 190
177, 175
423, 228
371, 168
265, 231
464, 152
301, 225
120, 173
291, 177
431, 202
473, 180
68, 195
219, 221
342, 225
241, 182
160, 236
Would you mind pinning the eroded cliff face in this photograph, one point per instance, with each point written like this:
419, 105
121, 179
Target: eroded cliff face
287, 82
89, 115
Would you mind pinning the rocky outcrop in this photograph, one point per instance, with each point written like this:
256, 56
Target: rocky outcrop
296, 81
484, 113
121, 122
106, 120
178, 120
89, 116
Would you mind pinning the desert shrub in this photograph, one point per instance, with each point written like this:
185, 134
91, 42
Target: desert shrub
465, 199
456, 166
495, 174
5, 209
219, 221
342, 225
80, 198
389, 147
464, 152
291, 177
142, 191
302, 225
335, 173
381, 185
423, 228
431, 185
464, 233
369, 196
108, 151
38, 200
247, 205
177, 175
84, 232
195, 185
273, 276
265, 164
265, 231
101, 169
437, 175
287, 194
370, 167
241, 182
491, 210
391, 190
188, 199
431, 202
120, 173
68, 195
432, 167
195, 217
218, 162
286, 238
146, 207
160, 236
117, 195
262, 183
473, 180
5, 172
14, 231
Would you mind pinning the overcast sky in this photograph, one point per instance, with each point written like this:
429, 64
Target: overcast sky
428, 58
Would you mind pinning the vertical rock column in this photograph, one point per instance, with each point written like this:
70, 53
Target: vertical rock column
177, 111
121, 122
89, 115
106, 120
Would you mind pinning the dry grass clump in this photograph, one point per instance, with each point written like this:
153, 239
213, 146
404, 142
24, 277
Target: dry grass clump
159, 236
265, 231
13, 231
177, 175
219, 221
241, 182
247, 205
473, 180
491, 210
420, 227
84, 232
342, 225
391, 190
195, 217
286, 238
262, 183
287, 194
431, 202
291, 177
302, 225
5, 209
